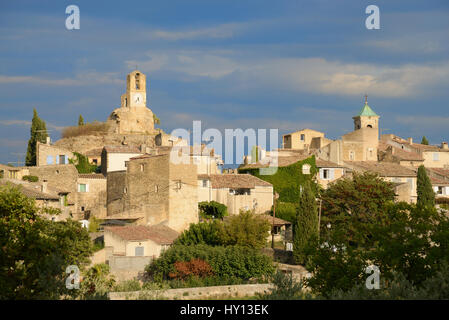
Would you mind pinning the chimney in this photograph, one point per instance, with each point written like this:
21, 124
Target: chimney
48, 141
444, 145
410, 141
44, 186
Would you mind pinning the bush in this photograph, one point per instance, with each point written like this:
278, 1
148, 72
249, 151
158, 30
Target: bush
30, 178
285, 288
127, 285
82, 164
246, 229
94, 128
193, 268
212, 210
286, 211
201, 233
240, 262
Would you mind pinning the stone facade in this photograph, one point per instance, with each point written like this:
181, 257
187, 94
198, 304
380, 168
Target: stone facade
92, 194
47, 154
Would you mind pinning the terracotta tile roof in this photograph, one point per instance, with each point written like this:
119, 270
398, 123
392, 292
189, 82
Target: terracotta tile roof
91, 176
31, 190
289, 160
400, 153
439, 182
122, 149
160, 234
246, 181
384, 169
440, 171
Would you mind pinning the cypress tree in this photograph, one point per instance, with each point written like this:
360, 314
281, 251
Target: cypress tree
426, 195
306, 224
80, 121
38, 132
424, 140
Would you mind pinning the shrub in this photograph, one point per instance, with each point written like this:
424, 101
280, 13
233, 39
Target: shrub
285, 288
286, 211
82, 164
246, 229
240, 262
30, 178
194, 267
212, 210
94, 128
201, 233
127, 285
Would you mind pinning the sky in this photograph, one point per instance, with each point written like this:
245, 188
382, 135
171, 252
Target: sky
283, 65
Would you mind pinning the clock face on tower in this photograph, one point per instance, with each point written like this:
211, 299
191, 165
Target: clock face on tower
137, 98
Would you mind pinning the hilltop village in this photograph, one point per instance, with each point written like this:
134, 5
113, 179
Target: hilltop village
145, 201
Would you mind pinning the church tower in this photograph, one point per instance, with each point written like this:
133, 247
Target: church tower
133, 116
366, 118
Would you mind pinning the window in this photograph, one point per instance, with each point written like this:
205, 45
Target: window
351, 155
326, 174
436, 156
95, 161
63, 159
13, 174
178, 184
306, 168
139, 251
440, 190
137, 81
82, 187
303, 137
205, 183
125, 190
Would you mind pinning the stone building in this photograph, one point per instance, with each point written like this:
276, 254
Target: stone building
405, 179
91, 195
133, 116
236, 191
155, 190
114, 158
358, 145
305, 139
47, 154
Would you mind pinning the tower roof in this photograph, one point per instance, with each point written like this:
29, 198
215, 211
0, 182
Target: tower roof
366, 110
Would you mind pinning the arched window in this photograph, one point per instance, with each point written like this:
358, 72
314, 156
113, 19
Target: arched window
137, 81
369, 126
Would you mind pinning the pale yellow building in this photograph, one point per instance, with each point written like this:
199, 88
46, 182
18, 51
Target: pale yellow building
305, 139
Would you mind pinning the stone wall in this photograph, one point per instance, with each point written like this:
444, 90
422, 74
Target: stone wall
43, 151
94, 200
195, 293
116, 183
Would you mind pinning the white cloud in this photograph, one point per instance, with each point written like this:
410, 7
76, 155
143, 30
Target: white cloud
81, 79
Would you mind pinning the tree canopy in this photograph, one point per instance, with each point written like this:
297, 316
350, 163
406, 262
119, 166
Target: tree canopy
426, 195
38, 132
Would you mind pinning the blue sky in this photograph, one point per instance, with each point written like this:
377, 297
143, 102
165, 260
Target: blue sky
231, 64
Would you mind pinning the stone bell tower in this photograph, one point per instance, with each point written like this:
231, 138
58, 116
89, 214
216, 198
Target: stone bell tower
133, 116
366, 118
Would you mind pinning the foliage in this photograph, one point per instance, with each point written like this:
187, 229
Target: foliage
234, 261
93, 128
212, 210
80, 121
285, 288
96, 283
127, 285
38, 132
405, 239
30, 178
286, 211
94, 224
245, 229
156, 119
426, 195
287, 180
207, 281
82, 164
424, 140
351, 204
201, 233
306, 224
36, 252
193, 268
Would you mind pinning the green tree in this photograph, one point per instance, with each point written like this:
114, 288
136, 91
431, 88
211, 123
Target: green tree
201, 233
80, 121
306, 224
245, 229
35, 252
38, 132
212, 210
426, 195
82, 164
424, 140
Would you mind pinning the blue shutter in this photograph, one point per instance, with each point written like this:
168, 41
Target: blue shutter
57, 159
49, 159
66, 159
